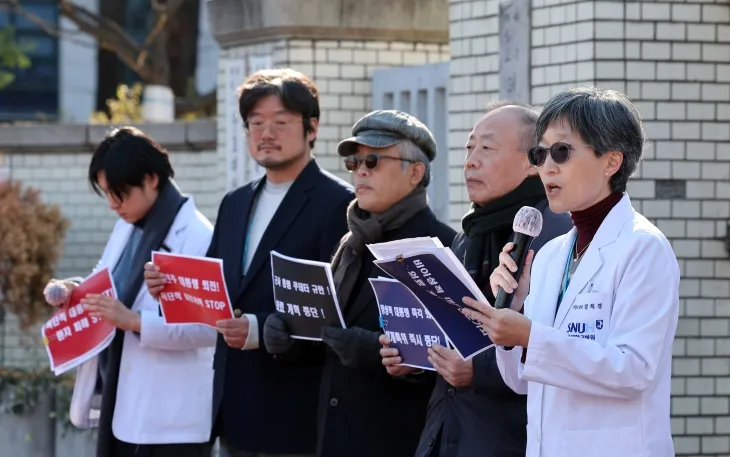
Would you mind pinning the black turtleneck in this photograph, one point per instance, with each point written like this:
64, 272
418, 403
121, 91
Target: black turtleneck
588, 220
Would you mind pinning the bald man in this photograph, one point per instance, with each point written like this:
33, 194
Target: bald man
472, 412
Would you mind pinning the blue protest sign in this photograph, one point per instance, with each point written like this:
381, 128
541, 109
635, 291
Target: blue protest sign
406, 322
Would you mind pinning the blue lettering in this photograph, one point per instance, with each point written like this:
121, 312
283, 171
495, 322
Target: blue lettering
574, 327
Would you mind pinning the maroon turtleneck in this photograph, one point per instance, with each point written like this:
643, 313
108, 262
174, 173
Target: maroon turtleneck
588, 220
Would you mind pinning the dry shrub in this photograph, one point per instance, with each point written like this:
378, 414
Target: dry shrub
31, 238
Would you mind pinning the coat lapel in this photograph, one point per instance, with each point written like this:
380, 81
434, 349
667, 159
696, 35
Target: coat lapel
233, 237
288, 211
550, 290
593, 260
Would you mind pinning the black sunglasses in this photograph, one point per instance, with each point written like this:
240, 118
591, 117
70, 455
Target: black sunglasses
371, 161
560, 152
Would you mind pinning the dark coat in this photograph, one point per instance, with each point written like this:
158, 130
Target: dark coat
367, 412
262, 404
486, 419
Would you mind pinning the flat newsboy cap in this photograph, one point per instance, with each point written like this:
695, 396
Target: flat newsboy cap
384, 128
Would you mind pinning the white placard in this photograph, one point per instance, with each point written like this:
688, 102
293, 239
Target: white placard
236, 149
514, 50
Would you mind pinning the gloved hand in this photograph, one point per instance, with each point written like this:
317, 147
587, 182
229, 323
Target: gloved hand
277, 339
356, 347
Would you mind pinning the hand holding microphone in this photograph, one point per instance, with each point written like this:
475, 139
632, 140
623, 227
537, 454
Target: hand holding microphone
57, 293
515, 261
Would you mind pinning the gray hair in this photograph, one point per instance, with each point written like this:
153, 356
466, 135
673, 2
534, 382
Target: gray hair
528, 121
409, 151
606, 120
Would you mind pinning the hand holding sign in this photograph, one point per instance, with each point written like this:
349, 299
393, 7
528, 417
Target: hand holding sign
449, 364
504, 326
234, 331
392, 359
191, 290
113, 311
73, 336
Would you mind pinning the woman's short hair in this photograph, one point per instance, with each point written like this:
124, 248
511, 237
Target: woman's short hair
605, 119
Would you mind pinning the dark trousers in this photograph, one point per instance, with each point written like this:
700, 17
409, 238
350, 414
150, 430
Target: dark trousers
122, 449
229, 451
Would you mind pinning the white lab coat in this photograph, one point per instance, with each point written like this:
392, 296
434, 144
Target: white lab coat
607, 397
165, 386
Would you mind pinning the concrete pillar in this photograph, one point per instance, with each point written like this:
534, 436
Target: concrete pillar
339, 44
673, 59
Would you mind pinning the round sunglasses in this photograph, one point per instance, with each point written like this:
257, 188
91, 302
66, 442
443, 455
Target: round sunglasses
371, 161
560, 152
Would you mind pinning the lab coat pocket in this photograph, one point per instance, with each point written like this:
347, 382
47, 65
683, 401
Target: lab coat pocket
589, 317
186, 399
605, 442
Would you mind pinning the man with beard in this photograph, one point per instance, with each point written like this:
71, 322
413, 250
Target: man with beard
263, 405
472, 412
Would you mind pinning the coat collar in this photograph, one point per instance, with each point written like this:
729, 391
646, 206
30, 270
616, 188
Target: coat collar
591, 263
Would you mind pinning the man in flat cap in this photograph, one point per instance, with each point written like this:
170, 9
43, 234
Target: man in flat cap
389, 156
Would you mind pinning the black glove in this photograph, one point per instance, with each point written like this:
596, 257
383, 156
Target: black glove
276, 335
356, 347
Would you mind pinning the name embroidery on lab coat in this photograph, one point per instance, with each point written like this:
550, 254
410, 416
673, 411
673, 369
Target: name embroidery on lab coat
586, 328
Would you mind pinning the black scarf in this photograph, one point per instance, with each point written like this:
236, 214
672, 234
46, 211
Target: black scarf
155, 226
489, 227
366, 229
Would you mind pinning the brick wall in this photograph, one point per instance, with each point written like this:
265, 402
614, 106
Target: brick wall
55, 160
474, 72
673, 59
343, 71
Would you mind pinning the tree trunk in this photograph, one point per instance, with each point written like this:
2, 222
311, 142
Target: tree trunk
109, 71
182, 48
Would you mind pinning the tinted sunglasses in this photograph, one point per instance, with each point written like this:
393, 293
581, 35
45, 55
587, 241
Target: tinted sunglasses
560, 152
371, 161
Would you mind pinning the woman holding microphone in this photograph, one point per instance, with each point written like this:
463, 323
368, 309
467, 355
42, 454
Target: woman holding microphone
593, 348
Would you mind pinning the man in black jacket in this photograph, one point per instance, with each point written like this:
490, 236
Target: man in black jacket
263, 406
472, 412
389, 156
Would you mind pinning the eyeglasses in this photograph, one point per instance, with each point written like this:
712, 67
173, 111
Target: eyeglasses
560, 152
371, 161
258, 126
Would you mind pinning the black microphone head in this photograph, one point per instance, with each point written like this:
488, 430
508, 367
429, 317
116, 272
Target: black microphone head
528, 221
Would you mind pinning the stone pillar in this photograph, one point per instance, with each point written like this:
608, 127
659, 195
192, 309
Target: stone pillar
673, 60
339, 44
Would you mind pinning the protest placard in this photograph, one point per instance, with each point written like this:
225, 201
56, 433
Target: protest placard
407, 323
304, 295
439, 280
71, 336
195, 291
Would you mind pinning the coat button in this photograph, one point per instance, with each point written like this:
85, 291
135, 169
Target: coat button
431, 441
334, 402
451, 392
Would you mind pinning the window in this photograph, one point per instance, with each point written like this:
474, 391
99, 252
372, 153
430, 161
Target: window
35, 90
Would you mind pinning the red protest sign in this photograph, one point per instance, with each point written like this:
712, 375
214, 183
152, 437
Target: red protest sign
71, 336
195, 291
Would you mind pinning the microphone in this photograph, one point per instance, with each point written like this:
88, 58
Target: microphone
527, 226
56, 293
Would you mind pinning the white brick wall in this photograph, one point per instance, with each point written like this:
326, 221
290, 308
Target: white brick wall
679, 81
672, 59
342, 70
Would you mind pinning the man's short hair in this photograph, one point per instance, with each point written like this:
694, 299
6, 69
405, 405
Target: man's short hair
528, 120
606, 120
126, 156
297, 93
